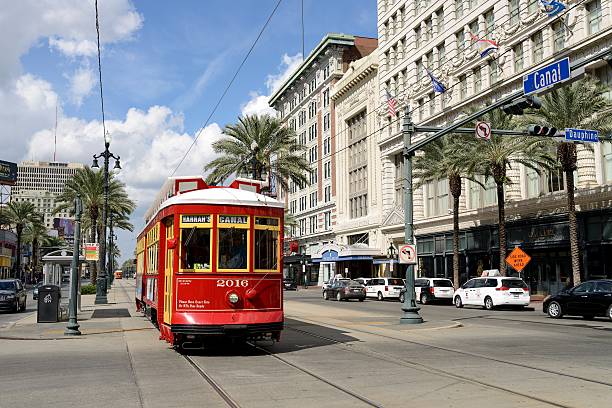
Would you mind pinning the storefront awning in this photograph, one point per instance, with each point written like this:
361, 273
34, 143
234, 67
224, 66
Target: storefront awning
344, 258
385, 261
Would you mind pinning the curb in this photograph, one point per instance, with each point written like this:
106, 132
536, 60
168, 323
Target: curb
83, 334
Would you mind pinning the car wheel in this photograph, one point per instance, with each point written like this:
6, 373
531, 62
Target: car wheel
17, 306
380, 296
610, 312
361, 299
488, 303
338, 297
402, 298
554, 310
325, 295
424, 298
458, 302
23, 307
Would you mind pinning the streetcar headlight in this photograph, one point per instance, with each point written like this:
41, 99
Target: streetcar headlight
233, 298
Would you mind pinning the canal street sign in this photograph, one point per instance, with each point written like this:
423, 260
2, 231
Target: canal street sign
408, 254
547, 76
518, 259
581, 135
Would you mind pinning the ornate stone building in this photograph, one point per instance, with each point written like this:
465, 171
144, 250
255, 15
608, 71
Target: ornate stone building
436, 35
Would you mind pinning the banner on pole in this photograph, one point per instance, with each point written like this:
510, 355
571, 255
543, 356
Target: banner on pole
92, 252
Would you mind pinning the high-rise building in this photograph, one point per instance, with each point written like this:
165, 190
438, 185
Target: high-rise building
447, 38
40, 183
304, 104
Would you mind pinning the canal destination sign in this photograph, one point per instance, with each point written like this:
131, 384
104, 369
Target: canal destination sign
547, 76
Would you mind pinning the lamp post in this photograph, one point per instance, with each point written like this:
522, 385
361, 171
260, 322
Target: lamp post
303, 262
72, 328
101, 283
391, 252
110, 276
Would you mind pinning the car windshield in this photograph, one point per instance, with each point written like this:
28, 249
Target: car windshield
7, 285
354, 283
396, 282
443, 283
513, 283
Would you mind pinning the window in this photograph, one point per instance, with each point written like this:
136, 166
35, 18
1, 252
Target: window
518, 57
313, 199
313, 154
458, 8
303, 203
419, 70
312, 223
441, 56
537, 45
432, 103
460, 40
195, 251
326, 72
493, 77
312, 109
417, 37
514, 12
593, 10
532, 7
266, 244
533, 183
302, 138
327, 220
440, 17
233, 239
420, 104
327, 170
302, 226
489, 18
152, 249
314, 177
399, 180
326, 146
428, 34
326, 98
462, 87
490, 192
358, 165
293, 206
326, 122
477, 80
558, 36
312, 132
606, 150
327, 195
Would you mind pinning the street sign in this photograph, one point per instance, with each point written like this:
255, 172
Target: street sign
547, 76
408, 254
92, 252
483, 130
581, 135
518, 259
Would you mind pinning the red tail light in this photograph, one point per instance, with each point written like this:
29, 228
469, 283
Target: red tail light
386, 288
503, 288
431, 290
346, 290
526, 289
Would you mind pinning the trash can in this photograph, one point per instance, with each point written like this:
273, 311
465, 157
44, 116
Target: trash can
48, 304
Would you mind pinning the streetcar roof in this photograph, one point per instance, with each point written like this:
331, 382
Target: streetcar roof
223, 196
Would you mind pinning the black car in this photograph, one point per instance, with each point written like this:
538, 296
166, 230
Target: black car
589, 299
344, 290
12, 295
289, 284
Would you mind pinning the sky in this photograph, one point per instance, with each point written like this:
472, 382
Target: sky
164, 67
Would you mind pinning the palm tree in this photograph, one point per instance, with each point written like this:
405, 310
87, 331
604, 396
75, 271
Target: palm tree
20, 214
582, 104
494, 157
89, 185
273, 146
440, 160
36, 234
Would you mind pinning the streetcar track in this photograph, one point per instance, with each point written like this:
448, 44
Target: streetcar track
215, 386
467, 353
560, 325
426, 368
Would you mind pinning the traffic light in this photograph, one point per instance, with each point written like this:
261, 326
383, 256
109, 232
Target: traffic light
517, 106
537, 130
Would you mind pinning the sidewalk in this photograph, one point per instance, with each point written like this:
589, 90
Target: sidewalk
117, 361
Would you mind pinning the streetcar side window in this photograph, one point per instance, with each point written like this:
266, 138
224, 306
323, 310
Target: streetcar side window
195, 249
266, 244
233, 242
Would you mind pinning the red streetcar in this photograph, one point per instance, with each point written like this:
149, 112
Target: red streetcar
209, 262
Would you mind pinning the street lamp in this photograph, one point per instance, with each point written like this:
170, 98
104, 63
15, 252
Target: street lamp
391, 252
303, 262
254, 149
72, 329
101, 282
110, 276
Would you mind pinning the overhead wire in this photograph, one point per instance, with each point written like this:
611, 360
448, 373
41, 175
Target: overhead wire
100, 72
199, 132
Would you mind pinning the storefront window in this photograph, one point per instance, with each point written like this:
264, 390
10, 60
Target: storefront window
195, 249
233, 241
266, 243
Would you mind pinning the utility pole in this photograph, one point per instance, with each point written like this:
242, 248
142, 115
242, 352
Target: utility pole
72, 328
409, 307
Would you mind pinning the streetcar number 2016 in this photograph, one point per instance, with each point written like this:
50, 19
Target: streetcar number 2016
232, 283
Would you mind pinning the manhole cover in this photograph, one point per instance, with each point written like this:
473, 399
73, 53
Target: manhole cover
108, 313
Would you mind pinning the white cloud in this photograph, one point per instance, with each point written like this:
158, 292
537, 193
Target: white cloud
258, 103
81, 84
73, 48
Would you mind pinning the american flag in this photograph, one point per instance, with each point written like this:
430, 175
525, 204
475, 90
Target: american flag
391, 104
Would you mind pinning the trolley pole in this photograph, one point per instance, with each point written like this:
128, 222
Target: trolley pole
409, 307
72, 328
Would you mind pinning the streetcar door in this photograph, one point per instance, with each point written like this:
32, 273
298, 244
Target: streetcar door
168, 273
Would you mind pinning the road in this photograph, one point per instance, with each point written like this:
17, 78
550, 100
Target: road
9, 318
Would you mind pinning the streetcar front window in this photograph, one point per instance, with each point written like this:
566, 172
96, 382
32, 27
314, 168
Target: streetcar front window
266, 250
195, 248
233, 248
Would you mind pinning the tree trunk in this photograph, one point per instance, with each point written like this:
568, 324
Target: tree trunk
19, 230
573, 232
455, 189
34, 258
501, 221
93, 264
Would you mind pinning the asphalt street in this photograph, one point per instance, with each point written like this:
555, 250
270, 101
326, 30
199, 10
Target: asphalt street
9, 318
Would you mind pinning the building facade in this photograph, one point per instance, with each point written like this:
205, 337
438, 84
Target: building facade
305, 105
8, 249
437, 35
41, 183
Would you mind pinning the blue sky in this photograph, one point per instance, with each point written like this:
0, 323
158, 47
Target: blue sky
164, 66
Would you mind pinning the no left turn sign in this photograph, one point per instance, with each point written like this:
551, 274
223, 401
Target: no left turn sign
408, 254
483, 130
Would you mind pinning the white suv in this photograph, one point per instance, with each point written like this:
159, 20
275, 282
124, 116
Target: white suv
428, 290
493, 291
382, 288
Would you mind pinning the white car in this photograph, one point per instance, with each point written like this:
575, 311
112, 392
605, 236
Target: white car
428, 290
363, 281
493, 291
382, 288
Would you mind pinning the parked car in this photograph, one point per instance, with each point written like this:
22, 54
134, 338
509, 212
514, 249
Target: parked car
331, 281
382, 288
589, 299
35, 290
12, 295
429, 290
363, 281
289, 284
345, 289
493, 291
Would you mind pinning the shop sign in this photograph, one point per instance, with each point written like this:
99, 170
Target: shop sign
8, 172
92, 252
518, 259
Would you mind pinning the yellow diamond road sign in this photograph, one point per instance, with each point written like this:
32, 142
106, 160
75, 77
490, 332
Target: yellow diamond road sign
518, 259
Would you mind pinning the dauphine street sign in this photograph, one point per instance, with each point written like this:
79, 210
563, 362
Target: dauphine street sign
581, 135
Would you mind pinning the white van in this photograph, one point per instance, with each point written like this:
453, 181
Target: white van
493, 291
382, 288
